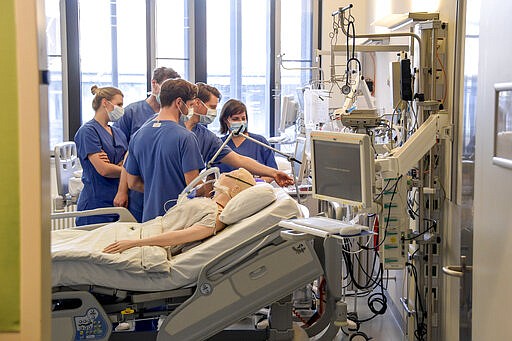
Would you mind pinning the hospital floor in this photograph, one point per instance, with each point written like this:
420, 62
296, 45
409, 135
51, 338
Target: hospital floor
381, 328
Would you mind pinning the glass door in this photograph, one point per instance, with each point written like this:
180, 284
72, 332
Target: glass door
468, 160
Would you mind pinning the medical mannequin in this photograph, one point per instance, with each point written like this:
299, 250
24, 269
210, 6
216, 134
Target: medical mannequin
203, 216
234, 116
101, 149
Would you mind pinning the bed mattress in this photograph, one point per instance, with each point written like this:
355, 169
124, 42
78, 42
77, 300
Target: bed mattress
185, 267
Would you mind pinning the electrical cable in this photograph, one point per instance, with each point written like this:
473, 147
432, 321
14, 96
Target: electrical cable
434, 224
421, 328
386, 220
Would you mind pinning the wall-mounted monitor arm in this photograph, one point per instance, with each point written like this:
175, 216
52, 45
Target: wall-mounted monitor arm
403, 158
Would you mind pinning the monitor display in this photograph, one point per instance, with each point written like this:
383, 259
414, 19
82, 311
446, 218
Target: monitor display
299, 170
342, 167
289, 109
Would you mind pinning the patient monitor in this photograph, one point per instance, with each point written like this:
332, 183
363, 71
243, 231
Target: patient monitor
342, 167
289, 111
300, 169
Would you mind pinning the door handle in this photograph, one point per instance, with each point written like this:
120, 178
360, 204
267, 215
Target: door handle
457, 270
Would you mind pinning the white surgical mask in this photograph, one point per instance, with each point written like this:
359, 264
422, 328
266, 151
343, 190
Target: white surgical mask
188, 116
190, 112
115, 114
209, 117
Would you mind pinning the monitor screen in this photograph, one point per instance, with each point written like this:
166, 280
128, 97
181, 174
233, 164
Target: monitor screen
288, 112
342, 167
300, 154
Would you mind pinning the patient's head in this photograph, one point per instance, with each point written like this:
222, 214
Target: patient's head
230, 184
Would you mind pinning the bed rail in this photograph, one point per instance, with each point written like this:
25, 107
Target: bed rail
123, 213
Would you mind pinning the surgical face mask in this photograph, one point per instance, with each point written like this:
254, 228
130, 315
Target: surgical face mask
234, 126
157, 97
188, 116
190, 113
209, 117
116, 113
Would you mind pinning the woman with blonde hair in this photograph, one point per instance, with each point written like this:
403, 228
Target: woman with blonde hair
101, 150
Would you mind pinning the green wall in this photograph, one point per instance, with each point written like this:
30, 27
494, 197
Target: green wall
9, 174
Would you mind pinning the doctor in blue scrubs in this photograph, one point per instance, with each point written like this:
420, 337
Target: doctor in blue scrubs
164, 156
101, 150
232, 117
136, 114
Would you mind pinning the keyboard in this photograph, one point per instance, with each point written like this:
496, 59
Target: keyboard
329, 225
302, 188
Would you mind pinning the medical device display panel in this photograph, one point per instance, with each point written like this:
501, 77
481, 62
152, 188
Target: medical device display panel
342, 167
300, 154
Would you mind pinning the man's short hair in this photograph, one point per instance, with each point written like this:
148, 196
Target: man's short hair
177, 88
204, 91
162, 73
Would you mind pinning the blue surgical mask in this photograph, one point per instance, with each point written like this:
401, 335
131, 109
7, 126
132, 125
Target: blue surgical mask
234, 126
157, 97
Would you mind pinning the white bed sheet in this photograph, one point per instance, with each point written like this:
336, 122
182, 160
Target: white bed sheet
185, 267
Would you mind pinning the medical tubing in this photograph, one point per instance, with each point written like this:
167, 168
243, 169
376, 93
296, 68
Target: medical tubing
195, 183
434, 224
371, 283
288, 157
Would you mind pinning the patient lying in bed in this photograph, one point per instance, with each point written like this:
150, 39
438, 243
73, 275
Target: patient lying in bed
140, 247
195, 220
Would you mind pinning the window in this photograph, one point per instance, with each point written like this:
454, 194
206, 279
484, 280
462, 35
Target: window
296, 50
237, 55
112, 49
171, 36
119, 42
55, 69
470, 80
239, 52
296, 44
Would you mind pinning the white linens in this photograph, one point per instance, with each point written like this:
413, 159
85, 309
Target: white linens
184, 267
87, 246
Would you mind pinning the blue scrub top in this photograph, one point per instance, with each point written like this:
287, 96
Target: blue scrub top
135, 115
209, 143
136, 199
253, 150
98, 190
161, 155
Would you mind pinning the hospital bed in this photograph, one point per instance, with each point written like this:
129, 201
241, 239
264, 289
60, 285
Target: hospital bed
245, 267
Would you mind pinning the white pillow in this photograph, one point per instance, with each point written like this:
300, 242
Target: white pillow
247, 202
